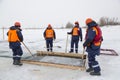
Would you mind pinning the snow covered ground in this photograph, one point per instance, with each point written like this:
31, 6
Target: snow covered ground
34, 40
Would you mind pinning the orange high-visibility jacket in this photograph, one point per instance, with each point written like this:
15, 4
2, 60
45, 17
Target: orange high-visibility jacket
49, 33
98, 38
12, 36
75, 31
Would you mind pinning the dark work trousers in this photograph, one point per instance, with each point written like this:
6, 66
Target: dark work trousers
49, 44
92, 62
74, 41
17, 53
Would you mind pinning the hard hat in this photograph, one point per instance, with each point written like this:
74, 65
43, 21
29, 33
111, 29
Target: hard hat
17, 24
88, 20
49, 25
76, 22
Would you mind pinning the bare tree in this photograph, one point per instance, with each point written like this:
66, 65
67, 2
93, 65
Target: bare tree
69, 25
108, 21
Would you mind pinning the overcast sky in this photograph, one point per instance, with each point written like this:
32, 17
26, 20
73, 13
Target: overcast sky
37, 13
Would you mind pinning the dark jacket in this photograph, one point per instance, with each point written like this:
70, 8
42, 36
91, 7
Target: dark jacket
91, 48
16, 44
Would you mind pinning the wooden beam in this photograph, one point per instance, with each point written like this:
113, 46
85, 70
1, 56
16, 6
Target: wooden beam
62, 54
71, 55
54, 65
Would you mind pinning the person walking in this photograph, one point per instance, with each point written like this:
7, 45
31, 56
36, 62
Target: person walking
14, 38
49, 35
76, 34
93, 40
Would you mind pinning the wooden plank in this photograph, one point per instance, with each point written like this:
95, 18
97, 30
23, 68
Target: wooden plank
54, 65
71, 55
62, 54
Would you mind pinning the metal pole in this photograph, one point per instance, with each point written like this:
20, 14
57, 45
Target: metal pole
3, 34
83, 61
66, 44
83, 53
27, 49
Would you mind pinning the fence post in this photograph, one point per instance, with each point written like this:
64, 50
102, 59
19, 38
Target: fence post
3, 34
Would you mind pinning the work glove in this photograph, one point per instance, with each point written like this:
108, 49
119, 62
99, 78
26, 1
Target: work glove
81, 40
84, 45
21, 41
68, 33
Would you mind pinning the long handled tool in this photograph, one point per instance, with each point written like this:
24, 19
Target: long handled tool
83, 53
83, 61
27, 49
66, 44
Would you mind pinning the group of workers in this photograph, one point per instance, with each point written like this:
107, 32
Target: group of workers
93, 40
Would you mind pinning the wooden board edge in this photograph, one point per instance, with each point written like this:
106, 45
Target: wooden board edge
39, 53
55, 65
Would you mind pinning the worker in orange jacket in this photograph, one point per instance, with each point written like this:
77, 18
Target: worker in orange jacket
76, 36
14, 38
49, 35
93, 40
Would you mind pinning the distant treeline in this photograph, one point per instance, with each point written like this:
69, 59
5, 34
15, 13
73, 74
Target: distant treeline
103, 21
108, 21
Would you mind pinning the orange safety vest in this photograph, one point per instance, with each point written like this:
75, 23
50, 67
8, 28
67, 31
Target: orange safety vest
49, 33
75, 31
12, 36
98, 38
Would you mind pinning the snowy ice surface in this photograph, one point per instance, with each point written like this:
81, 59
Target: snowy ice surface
34, 40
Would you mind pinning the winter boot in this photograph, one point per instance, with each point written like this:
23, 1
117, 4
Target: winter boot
15, 62
19, 63
76, 51
89, 70
71, 51
51, 50
48, 50
95, 73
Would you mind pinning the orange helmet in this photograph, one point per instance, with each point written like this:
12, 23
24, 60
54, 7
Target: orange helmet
17, 24
88, 20
76, 22
49, 26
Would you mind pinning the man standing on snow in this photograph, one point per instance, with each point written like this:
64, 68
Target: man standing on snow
76, 34
14, 38
49, 35
93, 41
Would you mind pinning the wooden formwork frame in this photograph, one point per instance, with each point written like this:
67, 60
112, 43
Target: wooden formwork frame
70, 55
